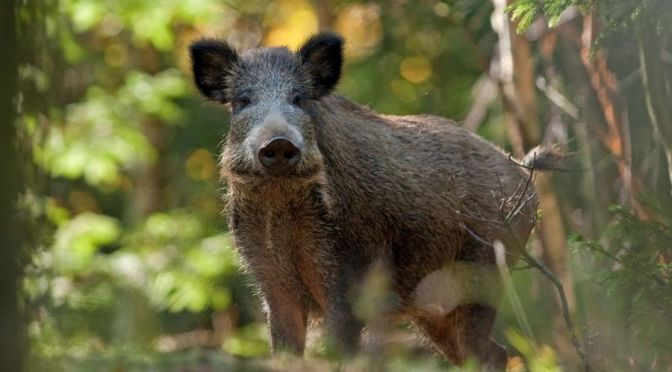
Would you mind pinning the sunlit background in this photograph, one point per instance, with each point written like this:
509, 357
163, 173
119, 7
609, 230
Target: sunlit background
131, 267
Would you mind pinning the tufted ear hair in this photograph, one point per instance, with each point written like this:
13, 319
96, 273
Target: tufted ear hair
211, 64
322, 55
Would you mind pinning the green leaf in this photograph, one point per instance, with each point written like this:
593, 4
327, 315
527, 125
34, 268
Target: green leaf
78, 240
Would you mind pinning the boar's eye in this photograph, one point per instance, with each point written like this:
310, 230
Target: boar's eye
297, 99
240, 103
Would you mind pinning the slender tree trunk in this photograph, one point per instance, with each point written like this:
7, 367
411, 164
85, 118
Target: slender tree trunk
520, 101
657, 78
12, 336
325, 14
525, 92
148, 198
150, 181
616, 135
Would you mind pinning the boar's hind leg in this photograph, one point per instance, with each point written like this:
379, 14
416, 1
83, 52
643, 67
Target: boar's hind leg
287, 319
465, 333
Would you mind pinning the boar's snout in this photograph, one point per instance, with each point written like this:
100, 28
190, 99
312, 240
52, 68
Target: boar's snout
279, 155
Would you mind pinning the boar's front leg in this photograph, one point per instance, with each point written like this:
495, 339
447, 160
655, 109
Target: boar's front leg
270, 266
287, 319
343, 327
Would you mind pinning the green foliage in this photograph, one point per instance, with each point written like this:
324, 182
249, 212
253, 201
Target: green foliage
137, 251
635, 276
118, 107
102, 137
184, 274
615, 14
248, 341
146, 22
524, 12
537, 358
638, 251
77, 241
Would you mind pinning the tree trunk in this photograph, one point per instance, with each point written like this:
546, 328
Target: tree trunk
150, 180
148, 197
325, 14
616, 135
658, 85
589, 116
12, 334
520, 103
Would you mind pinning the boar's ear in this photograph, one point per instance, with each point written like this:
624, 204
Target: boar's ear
211, 63
322, 55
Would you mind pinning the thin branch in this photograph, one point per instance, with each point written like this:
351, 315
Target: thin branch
475, 236
533, 262
499, 182
518, 205
558, 99
516, 162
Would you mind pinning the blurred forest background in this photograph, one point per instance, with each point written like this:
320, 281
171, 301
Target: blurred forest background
118, 246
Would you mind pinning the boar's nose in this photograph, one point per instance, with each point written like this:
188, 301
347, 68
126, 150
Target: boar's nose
279, 155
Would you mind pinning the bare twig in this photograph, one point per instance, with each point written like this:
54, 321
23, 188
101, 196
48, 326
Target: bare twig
558, 99
518, 205
501, 191
522, 200
533, 262
520, 164
475, 236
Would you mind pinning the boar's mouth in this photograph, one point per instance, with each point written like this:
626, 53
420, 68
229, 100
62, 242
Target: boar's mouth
245, 174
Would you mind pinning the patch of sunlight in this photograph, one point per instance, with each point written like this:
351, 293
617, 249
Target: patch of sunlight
78, 240
415, 69
249, 341
536, 358
201, 165
441, 9
403, 90
116, 55
299, 21
360, 26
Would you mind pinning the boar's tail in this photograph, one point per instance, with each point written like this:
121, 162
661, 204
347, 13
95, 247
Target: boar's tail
546, 158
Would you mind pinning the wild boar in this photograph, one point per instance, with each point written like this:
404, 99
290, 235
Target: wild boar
321, 189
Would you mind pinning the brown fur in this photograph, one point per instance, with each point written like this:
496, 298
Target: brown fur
401, 190
416, 195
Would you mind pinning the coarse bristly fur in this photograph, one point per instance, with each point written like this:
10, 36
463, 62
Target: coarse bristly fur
416, 194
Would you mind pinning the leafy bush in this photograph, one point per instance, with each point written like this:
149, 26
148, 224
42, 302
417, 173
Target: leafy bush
634, 274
